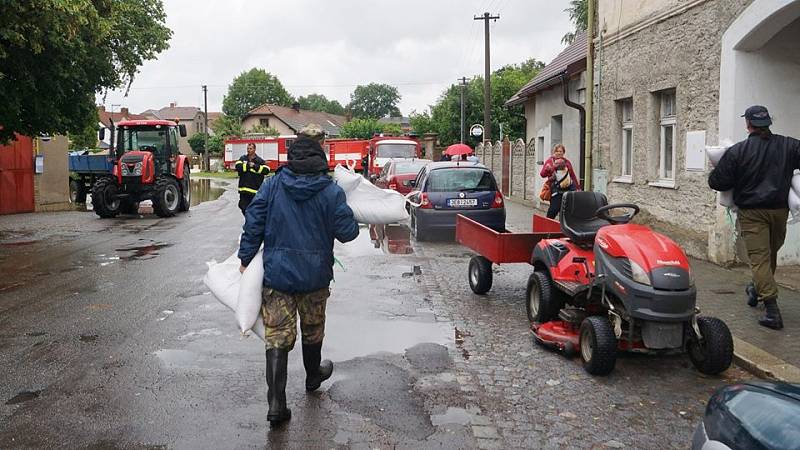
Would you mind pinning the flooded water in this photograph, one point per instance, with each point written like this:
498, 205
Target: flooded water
394, 239
206, 189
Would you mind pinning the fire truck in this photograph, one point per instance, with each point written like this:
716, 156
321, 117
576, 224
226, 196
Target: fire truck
385, 148
274, 150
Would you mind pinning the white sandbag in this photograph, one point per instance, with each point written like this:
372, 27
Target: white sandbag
223, 280
715, 153
370, 204
726, 199
794, 201
249, 305
796, 184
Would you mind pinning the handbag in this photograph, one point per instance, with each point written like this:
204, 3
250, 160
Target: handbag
545, 193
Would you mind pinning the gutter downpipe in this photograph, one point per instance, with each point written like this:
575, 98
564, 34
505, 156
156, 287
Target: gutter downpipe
583, 132
589, 94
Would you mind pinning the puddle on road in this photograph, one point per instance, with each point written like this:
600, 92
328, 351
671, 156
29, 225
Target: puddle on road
17, 244
185, 359
393, 239
205, 189
35, 333
348, 337
88, 337
23, 397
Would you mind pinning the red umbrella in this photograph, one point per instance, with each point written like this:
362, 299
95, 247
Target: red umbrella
458, 149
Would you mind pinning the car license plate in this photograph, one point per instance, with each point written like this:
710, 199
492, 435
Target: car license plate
461, 202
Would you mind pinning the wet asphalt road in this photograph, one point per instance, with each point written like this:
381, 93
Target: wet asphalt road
109, 339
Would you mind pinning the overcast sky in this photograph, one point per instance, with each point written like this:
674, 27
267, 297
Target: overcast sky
329, 47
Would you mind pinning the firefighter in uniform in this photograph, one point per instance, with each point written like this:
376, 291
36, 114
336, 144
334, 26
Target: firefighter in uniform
251, 169
296, 214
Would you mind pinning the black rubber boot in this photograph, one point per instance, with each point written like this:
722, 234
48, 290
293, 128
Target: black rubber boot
316, 371
277, 361
752, 295
772, 316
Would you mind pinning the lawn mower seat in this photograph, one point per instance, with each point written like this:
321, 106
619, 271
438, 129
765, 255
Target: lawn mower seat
578, 221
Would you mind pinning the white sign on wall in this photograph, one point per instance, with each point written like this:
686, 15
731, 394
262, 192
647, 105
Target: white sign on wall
695, 150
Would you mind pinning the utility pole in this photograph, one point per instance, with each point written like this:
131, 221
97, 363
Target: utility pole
206, 160
463, 81
487, 83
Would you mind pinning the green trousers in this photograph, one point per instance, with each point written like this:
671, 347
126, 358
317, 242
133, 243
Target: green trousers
280, 311
763, 232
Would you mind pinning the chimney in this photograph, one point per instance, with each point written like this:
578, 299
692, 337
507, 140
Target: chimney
124, 112
296, 106
172, 104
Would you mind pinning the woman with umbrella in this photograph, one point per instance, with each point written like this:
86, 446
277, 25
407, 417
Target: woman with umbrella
457, 152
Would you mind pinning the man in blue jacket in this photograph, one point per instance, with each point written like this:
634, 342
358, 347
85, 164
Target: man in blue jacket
296, 214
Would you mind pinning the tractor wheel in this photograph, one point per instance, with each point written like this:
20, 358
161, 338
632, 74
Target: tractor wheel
598, 345
186, 190
713, 353
167, 199
544, 302
104, 201
480, 275
129, 207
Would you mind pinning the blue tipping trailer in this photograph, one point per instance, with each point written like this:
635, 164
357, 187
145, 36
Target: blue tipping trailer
85, 168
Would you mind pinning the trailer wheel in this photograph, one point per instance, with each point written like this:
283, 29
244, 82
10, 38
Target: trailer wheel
713, 353
167, 198
77, 193
480, 275
543, 301
186, 189
598, 345
104, 200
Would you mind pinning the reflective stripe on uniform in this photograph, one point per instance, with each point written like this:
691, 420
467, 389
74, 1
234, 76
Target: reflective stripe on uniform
248, 190
238, 163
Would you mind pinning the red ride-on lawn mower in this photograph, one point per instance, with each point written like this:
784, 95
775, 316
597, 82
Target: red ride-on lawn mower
610, 285
148, 165
607, 285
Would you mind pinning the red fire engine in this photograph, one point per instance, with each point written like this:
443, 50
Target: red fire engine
384, 148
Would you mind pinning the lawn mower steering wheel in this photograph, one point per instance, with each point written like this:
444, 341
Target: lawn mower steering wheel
616, 220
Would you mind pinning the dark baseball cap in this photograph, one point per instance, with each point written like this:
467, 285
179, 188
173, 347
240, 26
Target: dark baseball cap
758, 116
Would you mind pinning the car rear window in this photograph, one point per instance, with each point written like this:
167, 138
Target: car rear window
765, 417
460, 179
403, 168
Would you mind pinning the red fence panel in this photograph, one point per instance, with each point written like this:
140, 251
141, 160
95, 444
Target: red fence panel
16, 176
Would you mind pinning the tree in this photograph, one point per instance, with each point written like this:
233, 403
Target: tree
87, 136
56, 55
216, 144
261, 129
251, 89
227, 126
578, 13
197, 142
373, 101
366, 128
445, 115
318, 102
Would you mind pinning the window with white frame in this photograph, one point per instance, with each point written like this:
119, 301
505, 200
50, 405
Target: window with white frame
626, 138
667, 137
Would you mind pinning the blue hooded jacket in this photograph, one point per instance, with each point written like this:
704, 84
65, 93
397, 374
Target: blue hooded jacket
297, 217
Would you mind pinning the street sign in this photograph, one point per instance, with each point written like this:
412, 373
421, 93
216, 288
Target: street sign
476, 130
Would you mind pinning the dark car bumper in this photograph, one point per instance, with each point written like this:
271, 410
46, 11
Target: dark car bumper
445, 219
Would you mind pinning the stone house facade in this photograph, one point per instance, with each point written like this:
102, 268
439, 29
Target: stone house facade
190, 116
673, 77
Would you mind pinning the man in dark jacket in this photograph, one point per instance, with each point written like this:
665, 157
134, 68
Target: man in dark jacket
252, 170
297, 214
759, 170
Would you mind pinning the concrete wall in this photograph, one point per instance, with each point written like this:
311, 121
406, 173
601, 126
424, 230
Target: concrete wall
252, 121
682, 53
51, 188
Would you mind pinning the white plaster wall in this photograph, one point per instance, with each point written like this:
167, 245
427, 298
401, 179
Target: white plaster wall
550, 103
761, 65
615, 15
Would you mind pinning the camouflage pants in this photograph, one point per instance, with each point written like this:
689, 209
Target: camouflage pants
280, 311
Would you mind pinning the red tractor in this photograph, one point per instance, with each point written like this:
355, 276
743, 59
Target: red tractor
148, 166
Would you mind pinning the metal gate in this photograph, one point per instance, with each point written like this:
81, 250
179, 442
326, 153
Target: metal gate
16, 176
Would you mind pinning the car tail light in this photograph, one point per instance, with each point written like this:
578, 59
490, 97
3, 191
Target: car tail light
393, 185
424, 202
498, 200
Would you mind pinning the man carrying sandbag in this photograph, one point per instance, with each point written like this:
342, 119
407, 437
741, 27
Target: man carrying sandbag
759, 170
251, 169
296, 214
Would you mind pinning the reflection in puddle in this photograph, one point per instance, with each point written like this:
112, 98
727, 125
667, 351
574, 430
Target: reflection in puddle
142, 252
452, 415
394, 239
203, 190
